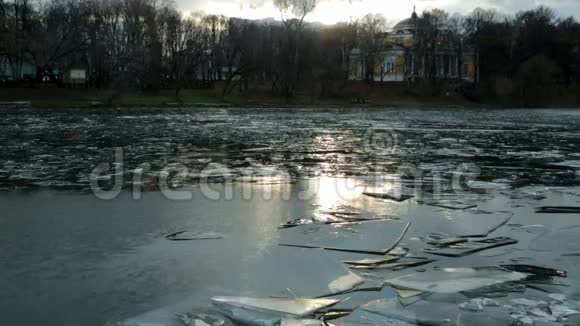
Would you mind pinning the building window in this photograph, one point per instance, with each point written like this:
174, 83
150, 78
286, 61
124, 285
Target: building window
389, 66
465, 69
454, 65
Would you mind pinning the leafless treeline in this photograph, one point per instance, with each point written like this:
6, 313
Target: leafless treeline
148, 44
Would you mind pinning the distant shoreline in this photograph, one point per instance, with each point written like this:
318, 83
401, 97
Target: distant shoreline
392, 96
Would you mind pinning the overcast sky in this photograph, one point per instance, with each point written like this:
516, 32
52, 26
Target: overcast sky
331, 11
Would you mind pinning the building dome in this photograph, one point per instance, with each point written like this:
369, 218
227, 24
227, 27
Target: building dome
407, 24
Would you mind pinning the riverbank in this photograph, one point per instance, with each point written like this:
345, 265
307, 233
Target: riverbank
82, 98
379, 95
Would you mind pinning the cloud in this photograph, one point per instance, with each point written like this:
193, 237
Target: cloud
201, 4
509, 7
330, 11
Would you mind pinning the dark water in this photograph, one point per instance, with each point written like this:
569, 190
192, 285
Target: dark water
69, 258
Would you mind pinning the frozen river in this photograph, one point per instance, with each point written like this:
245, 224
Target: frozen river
59, 149
70, 257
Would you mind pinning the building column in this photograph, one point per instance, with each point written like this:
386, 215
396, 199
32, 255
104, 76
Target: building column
477, 70
412, 64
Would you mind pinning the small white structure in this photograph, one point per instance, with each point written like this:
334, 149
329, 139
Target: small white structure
78, 74
76, 77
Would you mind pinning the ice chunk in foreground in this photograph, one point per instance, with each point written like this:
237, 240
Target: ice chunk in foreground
287, 306
452, 280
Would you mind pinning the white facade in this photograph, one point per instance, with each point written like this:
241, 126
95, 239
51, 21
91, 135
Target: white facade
78, 74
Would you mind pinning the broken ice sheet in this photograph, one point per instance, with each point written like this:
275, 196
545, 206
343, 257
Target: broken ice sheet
471, 305
342, 209
453, 280
353, 300
536, 229
393, 309
333, 313
389, 196
298, 307
405, 294
459, 223
558, 209
373, 237
521, 194
483, 185
529, 311
345, 283
372, 261
486, 302
437, 313
443, 241
296, 222
565, 240
451, 204
562, 310
332, 216
298, 272
412, 300
470, 247
393, 255
536, 271
496, 290
575, 191
300, 322
400, 265
360, 317
251, 316
321, 218
201, 319
398, 251
192, 235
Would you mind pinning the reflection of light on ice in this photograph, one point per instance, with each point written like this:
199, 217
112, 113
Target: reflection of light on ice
334, 191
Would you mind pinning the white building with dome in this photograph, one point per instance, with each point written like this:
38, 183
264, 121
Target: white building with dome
398, 59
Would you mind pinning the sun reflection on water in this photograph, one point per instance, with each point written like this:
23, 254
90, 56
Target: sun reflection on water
335, 191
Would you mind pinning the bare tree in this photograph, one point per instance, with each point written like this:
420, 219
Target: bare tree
295, 9
59, 36
293, 14
473, 25
457, 40
19, 19
372, 28
216, 27
428, 38
240, 53
333, 46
